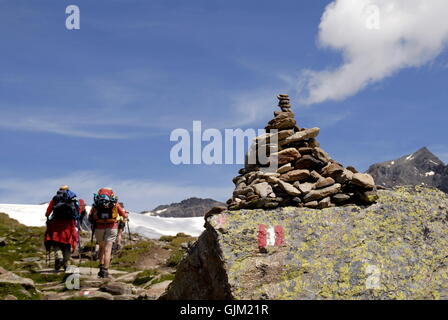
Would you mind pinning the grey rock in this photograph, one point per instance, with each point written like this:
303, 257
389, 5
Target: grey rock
289, 188
295, 175
321, 155
363, 180
286, 156
283, 169
324, 203
262, 189
322, 193
308, 162
283, 121
304, 187
324, 182
340, 198
301, 135
403, 236
117, 288
311, 204
12, 278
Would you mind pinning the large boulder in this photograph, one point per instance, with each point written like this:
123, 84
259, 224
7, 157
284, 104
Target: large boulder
7, 277
396, 248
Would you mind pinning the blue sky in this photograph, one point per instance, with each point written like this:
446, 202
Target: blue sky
96, 106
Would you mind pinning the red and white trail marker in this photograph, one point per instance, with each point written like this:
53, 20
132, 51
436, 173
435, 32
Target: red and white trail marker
270, 236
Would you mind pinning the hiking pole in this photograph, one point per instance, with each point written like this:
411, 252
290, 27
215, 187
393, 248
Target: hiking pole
92, 247
129, 233
79, 243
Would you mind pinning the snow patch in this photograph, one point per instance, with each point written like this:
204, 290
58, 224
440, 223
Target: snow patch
410, 157
430, 173
433, 162
29, 215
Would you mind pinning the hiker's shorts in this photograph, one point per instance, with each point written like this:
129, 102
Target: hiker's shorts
108, 234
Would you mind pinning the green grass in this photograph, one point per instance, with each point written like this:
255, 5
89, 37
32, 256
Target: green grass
44, 278
145, 277
129, 255
164, 277
18, 291
21, 242
175, 258
175, 244
152, 277
177, 240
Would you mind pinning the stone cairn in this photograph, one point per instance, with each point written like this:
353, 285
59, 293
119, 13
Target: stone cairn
305, 175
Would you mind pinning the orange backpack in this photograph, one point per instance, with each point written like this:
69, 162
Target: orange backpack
105, 203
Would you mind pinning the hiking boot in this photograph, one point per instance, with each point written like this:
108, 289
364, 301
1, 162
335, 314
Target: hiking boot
100, 273
104, 273
58, 263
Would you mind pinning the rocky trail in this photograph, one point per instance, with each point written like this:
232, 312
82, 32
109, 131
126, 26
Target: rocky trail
141, 270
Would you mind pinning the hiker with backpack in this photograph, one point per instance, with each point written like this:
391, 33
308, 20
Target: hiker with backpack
121, 226
62, 234
104, 217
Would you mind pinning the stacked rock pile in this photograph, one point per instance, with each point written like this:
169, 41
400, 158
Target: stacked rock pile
305, 174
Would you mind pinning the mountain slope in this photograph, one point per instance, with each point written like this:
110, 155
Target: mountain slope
192, 207
419, 168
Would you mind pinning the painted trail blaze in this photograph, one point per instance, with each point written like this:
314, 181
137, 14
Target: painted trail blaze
270, 236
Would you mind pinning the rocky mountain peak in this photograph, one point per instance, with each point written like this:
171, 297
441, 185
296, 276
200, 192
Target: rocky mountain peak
423, 156
191, 207
419, 168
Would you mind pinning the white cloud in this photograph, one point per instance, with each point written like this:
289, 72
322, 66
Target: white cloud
64, 128
410, 33
252, 107
138, 195
248, 108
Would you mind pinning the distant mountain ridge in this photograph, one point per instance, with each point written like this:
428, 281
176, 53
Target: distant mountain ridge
191, 207
419, 168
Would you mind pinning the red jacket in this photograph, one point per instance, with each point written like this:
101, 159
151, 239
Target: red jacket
60, 231
49, 208
82, 206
